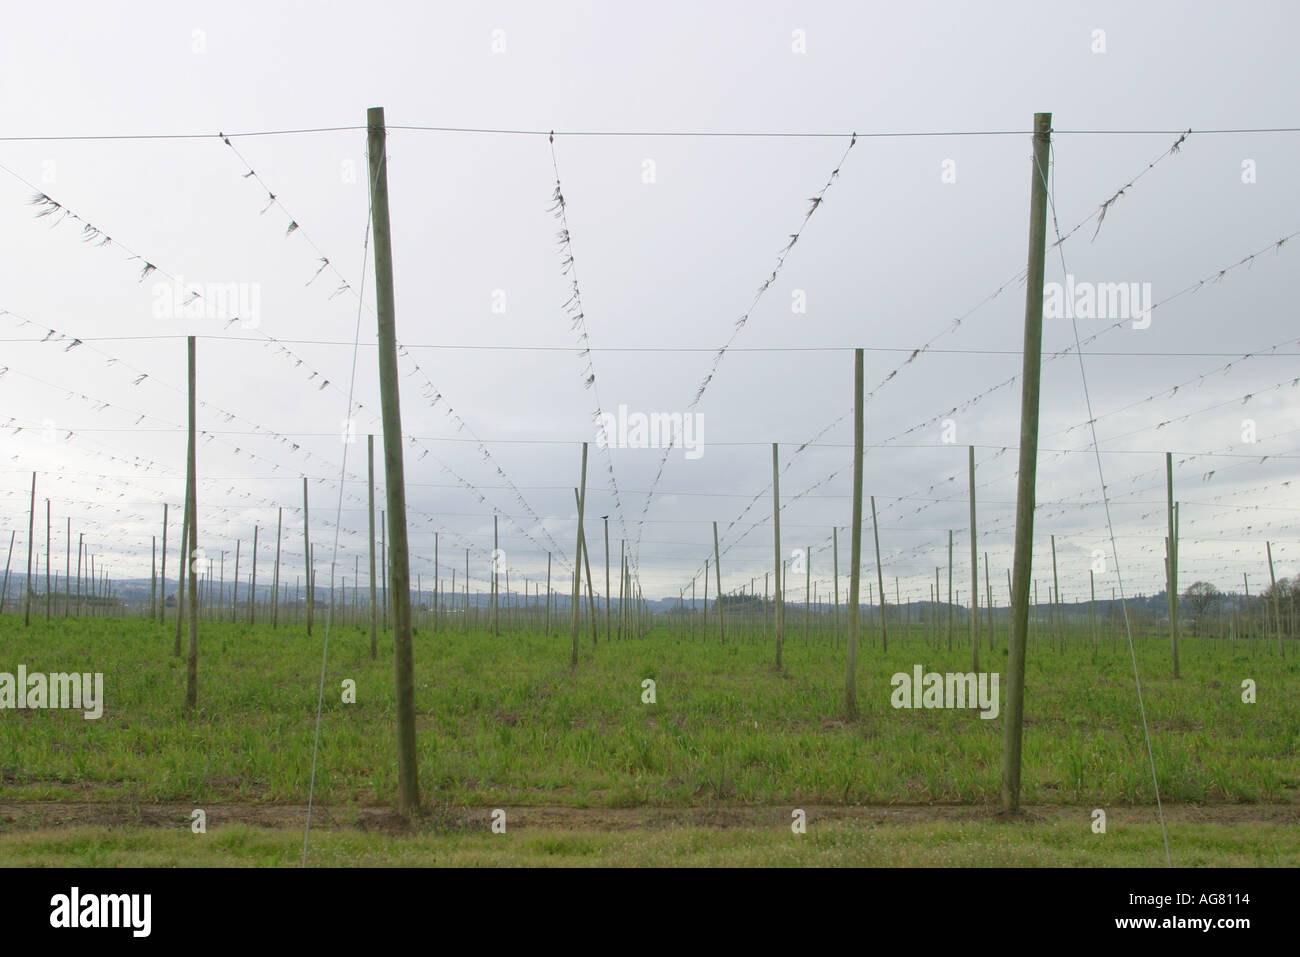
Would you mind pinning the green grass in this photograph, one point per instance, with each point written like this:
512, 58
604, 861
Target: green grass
503, 721
1055, 843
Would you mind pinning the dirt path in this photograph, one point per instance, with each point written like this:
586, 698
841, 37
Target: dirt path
34, 815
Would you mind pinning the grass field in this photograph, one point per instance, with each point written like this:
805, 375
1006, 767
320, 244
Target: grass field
502, 722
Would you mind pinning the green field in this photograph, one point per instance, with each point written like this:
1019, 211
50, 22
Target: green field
503, 722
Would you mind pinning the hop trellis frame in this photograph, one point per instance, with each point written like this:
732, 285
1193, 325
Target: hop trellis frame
740, 615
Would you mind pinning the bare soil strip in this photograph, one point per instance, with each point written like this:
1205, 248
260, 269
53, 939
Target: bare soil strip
35, 815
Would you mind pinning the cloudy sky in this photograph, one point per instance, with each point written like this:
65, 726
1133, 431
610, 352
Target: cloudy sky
918, 242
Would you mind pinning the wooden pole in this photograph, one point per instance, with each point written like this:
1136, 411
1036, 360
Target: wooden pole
374, 598
191, 481
622, 590
705, 619
31, 537
234, 594
607, 591
186, 571
835, 572
383, 562
950, 589
974, 570
4, 589
577, 561
988, 602
1245, 581
586, 560
153, 575
807, 591
67, 572
496, 561
855, 547
47, 559
275, 585
1277, 610
779, 593
1013, 720
548, 593
717, 571
394, 476
162, 571
880, 579
306, 554
252, 587
1092, 611
1172, 564
1056, 599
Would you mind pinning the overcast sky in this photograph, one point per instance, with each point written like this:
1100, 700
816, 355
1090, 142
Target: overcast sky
671, 237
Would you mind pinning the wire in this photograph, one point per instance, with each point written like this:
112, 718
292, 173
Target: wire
750, 134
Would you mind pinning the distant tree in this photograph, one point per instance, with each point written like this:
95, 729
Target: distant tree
1202, 597
1286, 588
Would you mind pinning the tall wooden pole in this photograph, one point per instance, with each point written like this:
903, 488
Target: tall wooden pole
162, 572
855, 547
31, 537
779, 593
306, 554
394, 475
705, 616
950, 589
275, 584
383, 564
191, 481
880, 579
496, 561
988, 601
234, 594
186, 571
1013, 720
1092, 610
47, 559
717, 571
153, 575
937, 596
370, 512
807, 591
577, 562
591, 599
1172, 564
974, 571
607, 591
835, 572
1277, 610
252, 586
4, 589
